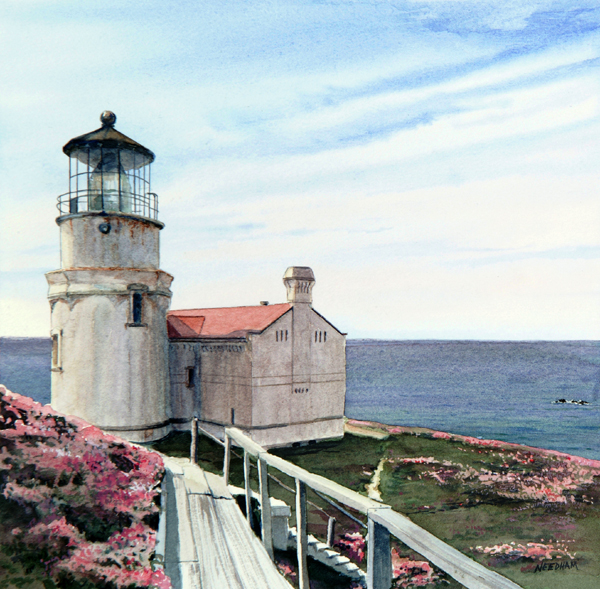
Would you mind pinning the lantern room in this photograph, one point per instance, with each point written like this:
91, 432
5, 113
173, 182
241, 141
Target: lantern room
110, 173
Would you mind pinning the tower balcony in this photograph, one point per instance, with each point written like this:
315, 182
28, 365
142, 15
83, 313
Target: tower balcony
86, 200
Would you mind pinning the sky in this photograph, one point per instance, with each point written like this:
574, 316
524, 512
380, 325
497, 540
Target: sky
436, 163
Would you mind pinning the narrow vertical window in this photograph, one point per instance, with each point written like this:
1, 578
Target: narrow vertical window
56, 351
324, 336
137, 307
319, 336
232, 416
277, 336
286, 335
189, 377
316, 336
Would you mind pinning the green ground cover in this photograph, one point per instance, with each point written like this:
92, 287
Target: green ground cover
509, 507
531, 515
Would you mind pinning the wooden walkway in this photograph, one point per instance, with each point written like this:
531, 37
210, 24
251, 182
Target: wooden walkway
207, 541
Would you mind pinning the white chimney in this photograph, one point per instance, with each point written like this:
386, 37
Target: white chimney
299, 282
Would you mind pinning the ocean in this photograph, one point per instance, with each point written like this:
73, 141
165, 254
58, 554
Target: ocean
493, 390
25, 366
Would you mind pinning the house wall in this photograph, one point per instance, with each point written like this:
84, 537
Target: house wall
226, 382
298, 385
222, 383
272, 366
185, 398
328, 369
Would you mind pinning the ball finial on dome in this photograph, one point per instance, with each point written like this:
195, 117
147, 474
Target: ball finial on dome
108, 118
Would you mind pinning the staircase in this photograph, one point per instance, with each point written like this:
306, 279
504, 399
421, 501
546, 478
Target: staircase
323, 553
285, 538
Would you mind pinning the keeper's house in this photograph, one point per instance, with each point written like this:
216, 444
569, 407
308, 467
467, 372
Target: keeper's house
277, 372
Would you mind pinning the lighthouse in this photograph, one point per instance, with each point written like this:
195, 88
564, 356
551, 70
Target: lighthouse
109, 299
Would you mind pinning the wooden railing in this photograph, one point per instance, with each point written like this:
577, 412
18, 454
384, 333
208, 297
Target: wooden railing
381, 522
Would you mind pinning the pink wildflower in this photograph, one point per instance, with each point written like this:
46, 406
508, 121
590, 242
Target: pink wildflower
353, 546
411, 573
76, 479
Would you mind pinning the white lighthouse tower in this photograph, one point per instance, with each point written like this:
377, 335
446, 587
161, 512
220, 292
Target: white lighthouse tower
109, 299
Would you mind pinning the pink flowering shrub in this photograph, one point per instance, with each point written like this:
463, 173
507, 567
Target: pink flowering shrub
90, 497
353, 546
287, 569
521, 475
532, 551
406, 572
411, 573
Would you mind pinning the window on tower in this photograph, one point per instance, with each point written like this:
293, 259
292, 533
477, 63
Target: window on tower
56, 351
136, 309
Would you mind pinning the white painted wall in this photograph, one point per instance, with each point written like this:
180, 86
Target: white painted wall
110, 372
222, 382
130, 242
299, 386
185, 402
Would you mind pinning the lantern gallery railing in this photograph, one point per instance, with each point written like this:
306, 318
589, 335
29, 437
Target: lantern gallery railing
382, 522
83, 201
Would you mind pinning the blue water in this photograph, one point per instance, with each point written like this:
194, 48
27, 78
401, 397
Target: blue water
25, 366
493, 390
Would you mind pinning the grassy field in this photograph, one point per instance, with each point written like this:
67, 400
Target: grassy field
529, 514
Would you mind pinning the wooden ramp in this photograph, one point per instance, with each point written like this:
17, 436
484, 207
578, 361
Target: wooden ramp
207, 541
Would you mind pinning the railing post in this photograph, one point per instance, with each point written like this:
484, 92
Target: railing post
301, 534
247, 487
226, 459
194, 444
330, 532
265, 507
379, 557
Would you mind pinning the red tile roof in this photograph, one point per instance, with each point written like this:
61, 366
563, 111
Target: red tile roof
222, 322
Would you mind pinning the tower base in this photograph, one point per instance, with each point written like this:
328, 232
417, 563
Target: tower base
141, 435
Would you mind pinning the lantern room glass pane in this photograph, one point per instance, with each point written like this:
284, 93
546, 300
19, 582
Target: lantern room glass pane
109, 187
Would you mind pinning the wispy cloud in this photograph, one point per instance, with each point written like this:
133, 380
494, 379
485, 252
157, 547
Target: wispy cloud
436, 162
